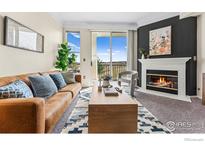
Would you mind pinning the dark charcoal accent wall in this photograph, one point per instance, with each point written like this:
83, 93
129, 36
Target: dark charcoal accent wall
184, 44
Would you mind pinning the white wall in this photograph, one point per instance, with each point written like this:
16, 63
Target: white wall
85, 54
132, 50
16, 61
200, 51
85, 57
94, 56
135, 51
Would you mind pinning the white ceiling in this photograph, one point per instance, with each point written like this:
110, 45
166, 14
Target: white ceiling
126, 19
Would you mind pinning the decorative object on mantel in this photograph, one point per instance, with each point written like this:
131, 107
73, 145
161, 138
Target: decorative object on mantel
106, 81
27, 39
160, 41
143, 53
203, 91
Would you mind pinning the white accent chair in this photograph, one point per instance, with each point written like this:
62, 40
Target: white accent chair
129, 77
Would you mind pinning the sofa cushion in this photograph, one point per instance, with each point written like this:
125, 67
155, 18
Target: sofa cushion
7, 80
74, 88
18, 86
55, 107
43, 86
58, 80
10, 93
69, 77
25, 78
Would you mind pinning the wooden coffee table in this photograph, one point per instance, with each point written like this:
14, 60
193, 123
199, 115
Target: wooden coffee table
111, 114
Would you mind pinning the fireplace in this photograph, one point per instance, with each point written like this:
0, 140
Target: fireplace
162, 80
173, 69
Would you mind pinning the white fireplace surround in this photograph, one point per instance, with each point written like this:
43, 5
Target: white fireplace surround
172, 64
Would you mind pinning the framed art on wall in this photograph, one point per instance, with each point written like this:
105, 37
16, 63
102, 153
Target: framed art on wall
160, 41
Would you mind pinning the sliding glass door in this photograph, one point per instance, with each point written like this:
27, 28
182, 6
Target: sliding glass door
103, 52
111, 51
119, 53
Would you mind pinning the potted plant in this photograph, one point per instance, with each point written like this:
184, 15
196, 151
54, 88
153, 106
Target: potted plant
106, 80
72, 62
100, 69
62, 58
143, 53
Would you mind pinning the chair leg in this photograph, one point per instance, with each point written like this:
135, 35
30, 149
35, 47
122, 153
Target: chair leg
119, 83
132, 89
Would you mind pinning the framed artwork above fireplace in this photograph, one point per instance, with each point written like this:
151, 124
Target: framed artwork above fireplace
160, 41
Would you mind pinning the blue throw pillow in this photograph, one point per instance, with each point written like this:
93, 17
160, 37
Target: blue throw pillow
43, 86
18, 86
58, 80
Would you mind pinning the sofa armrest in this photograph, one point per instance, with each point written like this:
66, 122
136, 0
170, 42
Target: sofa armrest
22, 115
78, 78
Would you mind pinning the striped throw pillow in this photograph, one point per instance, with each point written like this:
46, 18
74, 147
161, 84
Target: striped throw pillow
10, 93
18, 86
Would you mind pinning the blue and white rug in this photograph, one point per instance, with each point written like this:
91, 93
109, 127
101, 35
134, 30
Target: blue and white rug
78, 120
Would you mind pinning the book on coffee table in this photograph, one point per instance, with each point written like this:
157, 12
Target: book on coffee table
110, 92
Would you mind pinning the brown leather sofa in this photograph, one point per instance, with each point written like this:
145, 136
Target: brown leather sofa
34, 115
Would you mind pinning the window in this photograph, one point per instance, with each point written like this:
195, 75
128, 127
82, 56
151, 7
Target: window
111, 49
73, 39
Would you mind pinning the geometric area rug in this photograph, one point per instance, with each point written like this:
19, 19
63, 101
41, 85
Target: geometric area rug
77, 122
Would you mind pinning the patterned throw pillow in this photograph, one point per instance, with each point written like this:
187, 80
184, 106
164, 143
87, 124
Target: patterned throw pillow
58, 80
69, 77
18, 86
10, 93
43, 86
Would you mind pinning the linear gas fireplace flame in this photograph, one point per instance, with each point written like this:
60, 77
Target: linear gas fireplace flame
164, 81
161, 81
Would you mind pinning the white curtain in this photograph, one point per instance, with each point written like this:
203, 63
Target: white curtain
132, 50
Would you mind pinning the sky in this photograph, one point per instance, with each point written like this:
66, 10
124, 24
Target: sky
74, 43
119, 51
119, 47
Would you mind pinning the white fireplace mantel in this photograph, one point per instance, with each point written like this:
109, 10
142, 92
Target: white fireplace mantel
173, 64
172, 61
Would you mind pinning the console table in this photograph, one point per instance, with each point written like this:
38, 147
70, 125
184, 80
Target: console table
111, 114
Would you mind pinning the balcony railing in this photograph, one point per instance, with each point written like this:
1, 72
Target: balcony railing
117, 67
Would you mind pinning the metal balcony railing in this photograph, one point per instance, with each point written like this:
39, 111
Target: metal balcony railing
117, 67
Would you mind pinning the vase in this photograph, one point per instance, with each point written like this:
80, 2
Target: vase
106, 83
99, 88
142, 56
